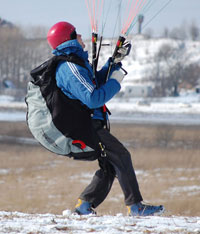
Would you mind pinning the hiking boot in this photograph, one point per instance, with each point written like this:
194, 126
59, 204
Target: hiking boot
84, 208
139, 209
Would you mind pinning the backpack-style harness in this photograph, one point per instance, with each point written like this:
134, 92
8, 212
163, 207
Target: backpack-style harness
60, 124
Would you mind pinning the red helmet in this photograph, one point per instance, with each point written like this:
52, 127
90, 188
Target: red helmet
59, 33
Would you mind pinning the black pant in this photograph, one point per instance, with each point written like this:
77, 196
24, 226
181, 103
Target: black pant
118, 164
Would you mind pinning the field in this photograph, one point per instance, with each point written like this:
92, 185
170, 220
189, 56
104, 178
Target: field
166, 160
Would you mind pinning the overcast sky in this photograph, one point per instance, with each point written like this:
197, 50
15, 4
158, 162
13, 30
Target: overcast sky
48, 12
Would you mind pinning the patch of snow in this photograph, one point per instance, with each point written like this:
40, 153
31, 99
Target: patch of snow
6, 98
182, 110
4, 171
15, 222
12, 116
84, 178
190, 190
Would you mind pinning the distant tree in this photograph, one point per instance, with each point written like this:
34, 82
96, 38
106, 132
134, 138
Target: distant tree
19, 55
9, 38
148, 33
6, 24
179, 33
194, 31
35, 32
165, 33
169, 69
173, 68
157, 76
192, 75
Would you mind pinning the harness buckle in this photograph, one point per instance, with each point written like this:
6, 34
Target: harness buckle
103, 152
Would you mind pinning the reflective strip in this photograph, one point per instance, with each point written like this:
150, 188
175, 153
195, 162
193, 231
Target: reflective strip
83, 81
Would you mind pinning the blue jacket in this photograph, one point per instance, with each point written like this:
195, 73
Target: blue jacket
77, 82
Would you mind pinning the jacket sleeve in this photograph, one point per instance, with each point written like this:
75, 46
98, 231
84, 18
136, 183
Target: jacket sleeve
75, 80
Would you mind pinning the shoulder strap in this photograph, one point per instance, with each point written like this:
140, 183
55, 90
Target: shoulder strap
49, 66
73, 58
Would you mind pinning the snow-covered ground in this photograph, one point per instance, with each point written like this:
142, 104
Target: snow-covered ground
15, 222
182, 110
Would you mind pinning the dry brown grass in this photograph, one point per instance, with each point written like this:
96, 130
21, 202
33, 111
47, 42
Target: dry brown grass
37, 181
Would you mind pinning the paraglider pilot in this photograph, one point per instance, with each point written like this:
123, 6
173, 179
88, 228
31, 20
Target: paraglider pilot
78, 83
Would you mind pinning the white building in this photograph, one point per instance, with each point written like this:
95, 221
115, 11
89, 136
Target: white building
137, 90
